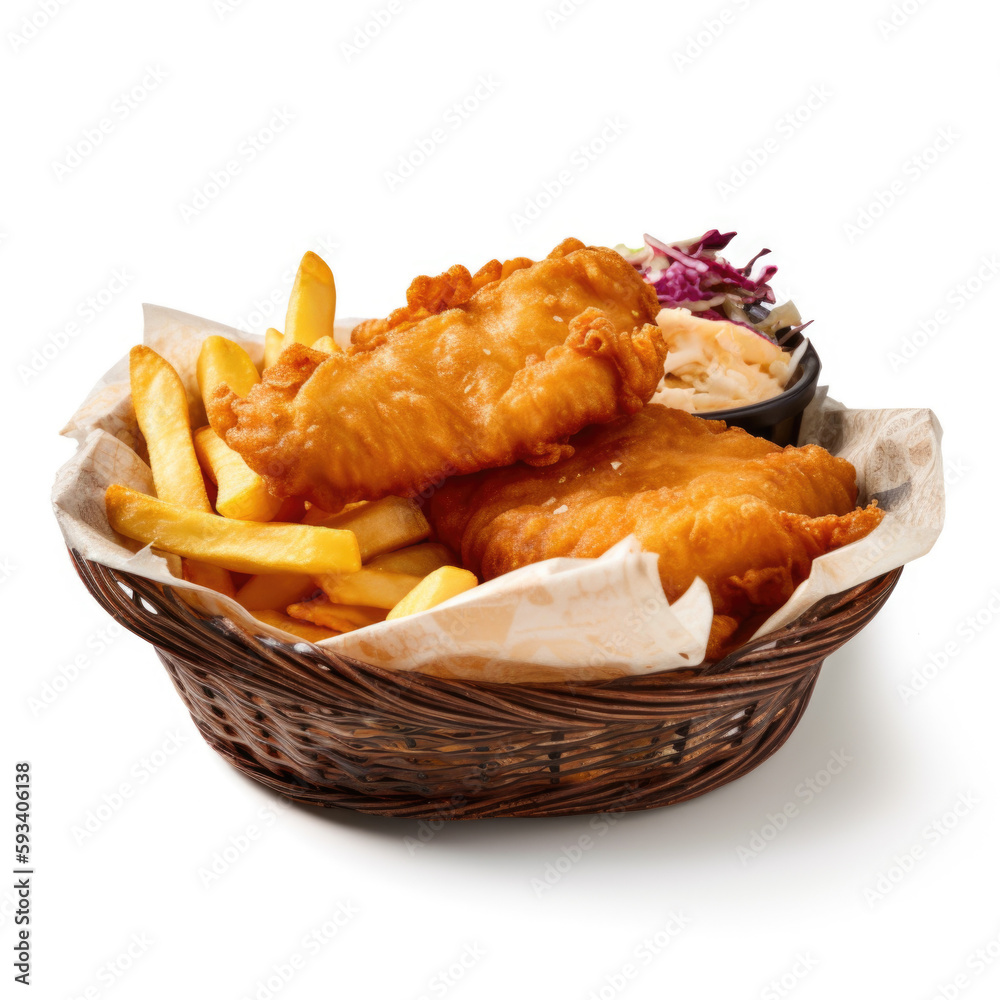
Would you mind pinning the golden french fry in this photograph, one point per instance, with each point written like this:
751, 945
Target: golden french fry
274, 590
327, 345
302, 629
312, 304
273, 344
317, 515
374, 588
223, 362
382, 525
161, 408
242, 493
433, 589
342, 617
241, 546
418, 560
213, 577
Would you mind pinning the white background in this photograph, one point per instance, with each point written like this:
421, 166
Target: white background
682, 160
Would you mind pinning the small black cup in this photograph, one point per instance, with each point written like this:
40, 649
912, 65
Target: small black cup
778, 419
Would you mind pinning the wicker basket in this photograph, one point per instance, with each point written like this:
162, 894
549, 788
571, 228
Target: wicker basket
328, 731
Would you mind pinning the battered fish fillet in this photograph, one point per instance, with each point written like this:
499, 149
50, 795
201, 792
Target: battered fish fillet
745, 515
475, 372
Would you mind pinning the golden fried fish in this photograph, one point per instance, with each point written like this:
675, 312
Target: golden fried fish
475, 372
745, 515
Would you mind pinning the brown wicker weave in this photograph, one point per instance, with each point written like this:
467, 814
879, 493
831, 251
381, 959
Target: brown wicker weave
334, 732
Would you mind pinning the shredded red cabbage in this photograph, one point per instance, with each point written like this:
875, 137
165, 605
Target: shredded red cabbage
692, 275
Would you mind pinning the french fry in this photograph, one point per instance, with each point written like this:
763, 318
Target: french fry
371, 587
317, 515
161, 410
433, 589
312, 304
342, 617
273, 344
223, 361
207, 575
242, 493
382, 525
327, 345
302, 629
241, 546
274, 590
416, 559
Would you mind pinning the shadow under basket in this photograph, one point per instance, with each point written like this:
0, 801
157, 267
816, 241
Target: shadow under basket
329, 731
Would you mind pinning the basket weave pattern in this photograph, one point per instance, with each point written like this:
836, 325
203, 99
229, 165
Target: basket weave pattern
329, 731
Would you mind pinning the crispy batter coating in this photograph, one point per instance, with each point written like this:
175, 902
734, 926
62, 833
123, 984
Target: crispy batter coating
476, 372
745, 515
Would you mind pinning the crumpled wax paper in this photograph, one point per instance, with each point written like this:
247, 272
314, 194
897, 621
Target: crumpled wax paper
561, 619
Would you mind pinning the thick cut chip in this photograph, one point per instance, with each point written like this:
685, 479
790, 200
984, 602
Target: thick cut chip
342, 617
273, 341
372, 587
241, 492
297, 627
312, 304
161, 410
419, 560
383, 525
223, 362
434, 589
241, 546
275, 590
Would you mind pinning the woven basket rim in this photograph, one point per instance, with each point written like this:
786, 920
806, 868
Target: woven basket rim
749, 659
